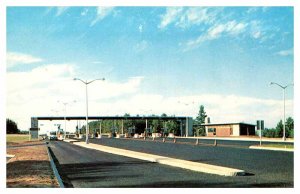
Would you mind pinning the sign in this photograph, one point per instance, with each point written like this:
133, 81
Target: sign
260, 124
34, 122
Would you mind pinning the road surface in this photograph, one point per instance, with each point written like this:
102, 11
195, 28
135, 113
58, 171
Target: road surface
82, 167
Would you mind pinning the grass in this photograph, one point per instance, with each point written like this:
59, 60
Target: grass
17, 138
279, 146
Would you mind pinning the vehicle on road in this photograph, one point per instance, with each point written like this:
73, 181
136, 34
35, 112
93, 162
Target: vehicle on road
52, 135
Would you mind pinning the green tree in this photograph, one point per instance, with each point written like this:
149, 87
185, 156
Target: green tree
200, 119
269, 133
156, 124
127, 122
172, 127
279, 129
11, 127
289, 127
164, 115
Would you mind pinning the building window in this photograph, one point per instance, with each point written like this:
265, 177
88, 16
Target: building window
211, 130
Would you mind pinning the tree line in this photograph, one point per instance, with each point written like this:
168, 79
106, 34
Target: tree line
133, 126
278, 130
12, 127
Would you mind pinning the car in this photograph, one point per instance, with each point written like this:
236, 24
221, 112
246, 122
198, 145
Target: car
52, 136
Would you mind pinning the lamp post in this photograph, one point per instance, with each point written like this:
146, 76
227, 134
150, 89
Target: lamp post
283, 89
87, 107
65, 110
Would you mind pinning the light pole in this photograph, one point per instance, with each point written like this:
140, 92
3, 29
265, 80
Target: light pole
87, 107
283, 89
65, 110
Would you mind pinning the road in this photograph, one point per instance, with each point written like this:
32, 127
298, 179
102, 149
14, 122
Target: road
82, 167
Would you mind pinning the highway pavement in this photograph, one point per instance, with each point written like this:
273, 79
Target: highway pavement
80, 167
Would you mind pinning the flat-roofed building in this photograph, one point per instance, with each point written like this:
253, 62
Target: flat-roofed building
229, 129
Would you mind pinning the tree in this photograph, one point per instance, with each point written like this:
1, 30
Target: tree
127, 123
289, 127
200, 119
11, 127
289, 124
156, 125
172, 127
279, 129
164, 115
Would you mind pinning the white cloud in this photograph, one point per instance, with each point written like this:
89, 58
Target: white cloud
172, 13
139, 47
229, 28
84, 12
256, 29
13, 59
97, 62
195, 16
251, 10
186, 17
61, 10
102, 12
287, 52
140, 28
35, 93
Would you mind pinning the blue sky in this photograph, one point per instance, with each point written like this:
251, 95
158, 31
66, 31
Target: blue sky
187, 55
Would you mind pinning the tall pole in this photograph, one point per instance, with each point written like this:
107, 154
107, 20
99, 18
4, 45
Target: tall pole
87, 115
65, 120
87, 109
65, 115
283, 114
100, 128
283, 88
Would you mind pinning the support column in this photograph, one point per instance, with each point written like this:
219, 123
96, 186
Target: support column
186, 127
100, 127
181, 134
122, 126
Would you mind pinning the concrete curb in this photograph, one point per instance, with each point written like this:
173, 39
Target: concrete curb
71, 140
238, 139
195, 166
272, 148
55, 171
9, 157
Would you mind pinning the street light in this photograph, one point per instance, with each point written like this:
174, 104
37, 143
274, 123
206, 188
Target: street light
65, 110
87, 107
283, 88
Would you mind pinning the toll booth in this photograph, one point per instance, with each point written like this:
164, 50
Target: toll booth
34, 133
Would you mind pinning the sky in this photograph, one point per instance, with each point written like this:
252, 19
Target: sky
154, 60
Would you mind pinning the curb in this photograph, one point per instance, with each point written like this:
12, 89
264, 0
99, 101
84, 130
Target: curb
70, 140
55, 171
9, 157
272, 149
194, 166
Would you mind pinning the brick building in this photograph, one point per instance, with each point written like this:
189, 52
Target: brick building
229, 129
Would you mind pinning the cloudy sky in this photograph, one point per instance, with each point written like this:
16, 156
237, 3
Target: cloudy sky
155, 60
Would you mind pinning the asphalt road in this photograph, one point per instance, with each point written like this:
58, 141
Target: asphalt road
80, 167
